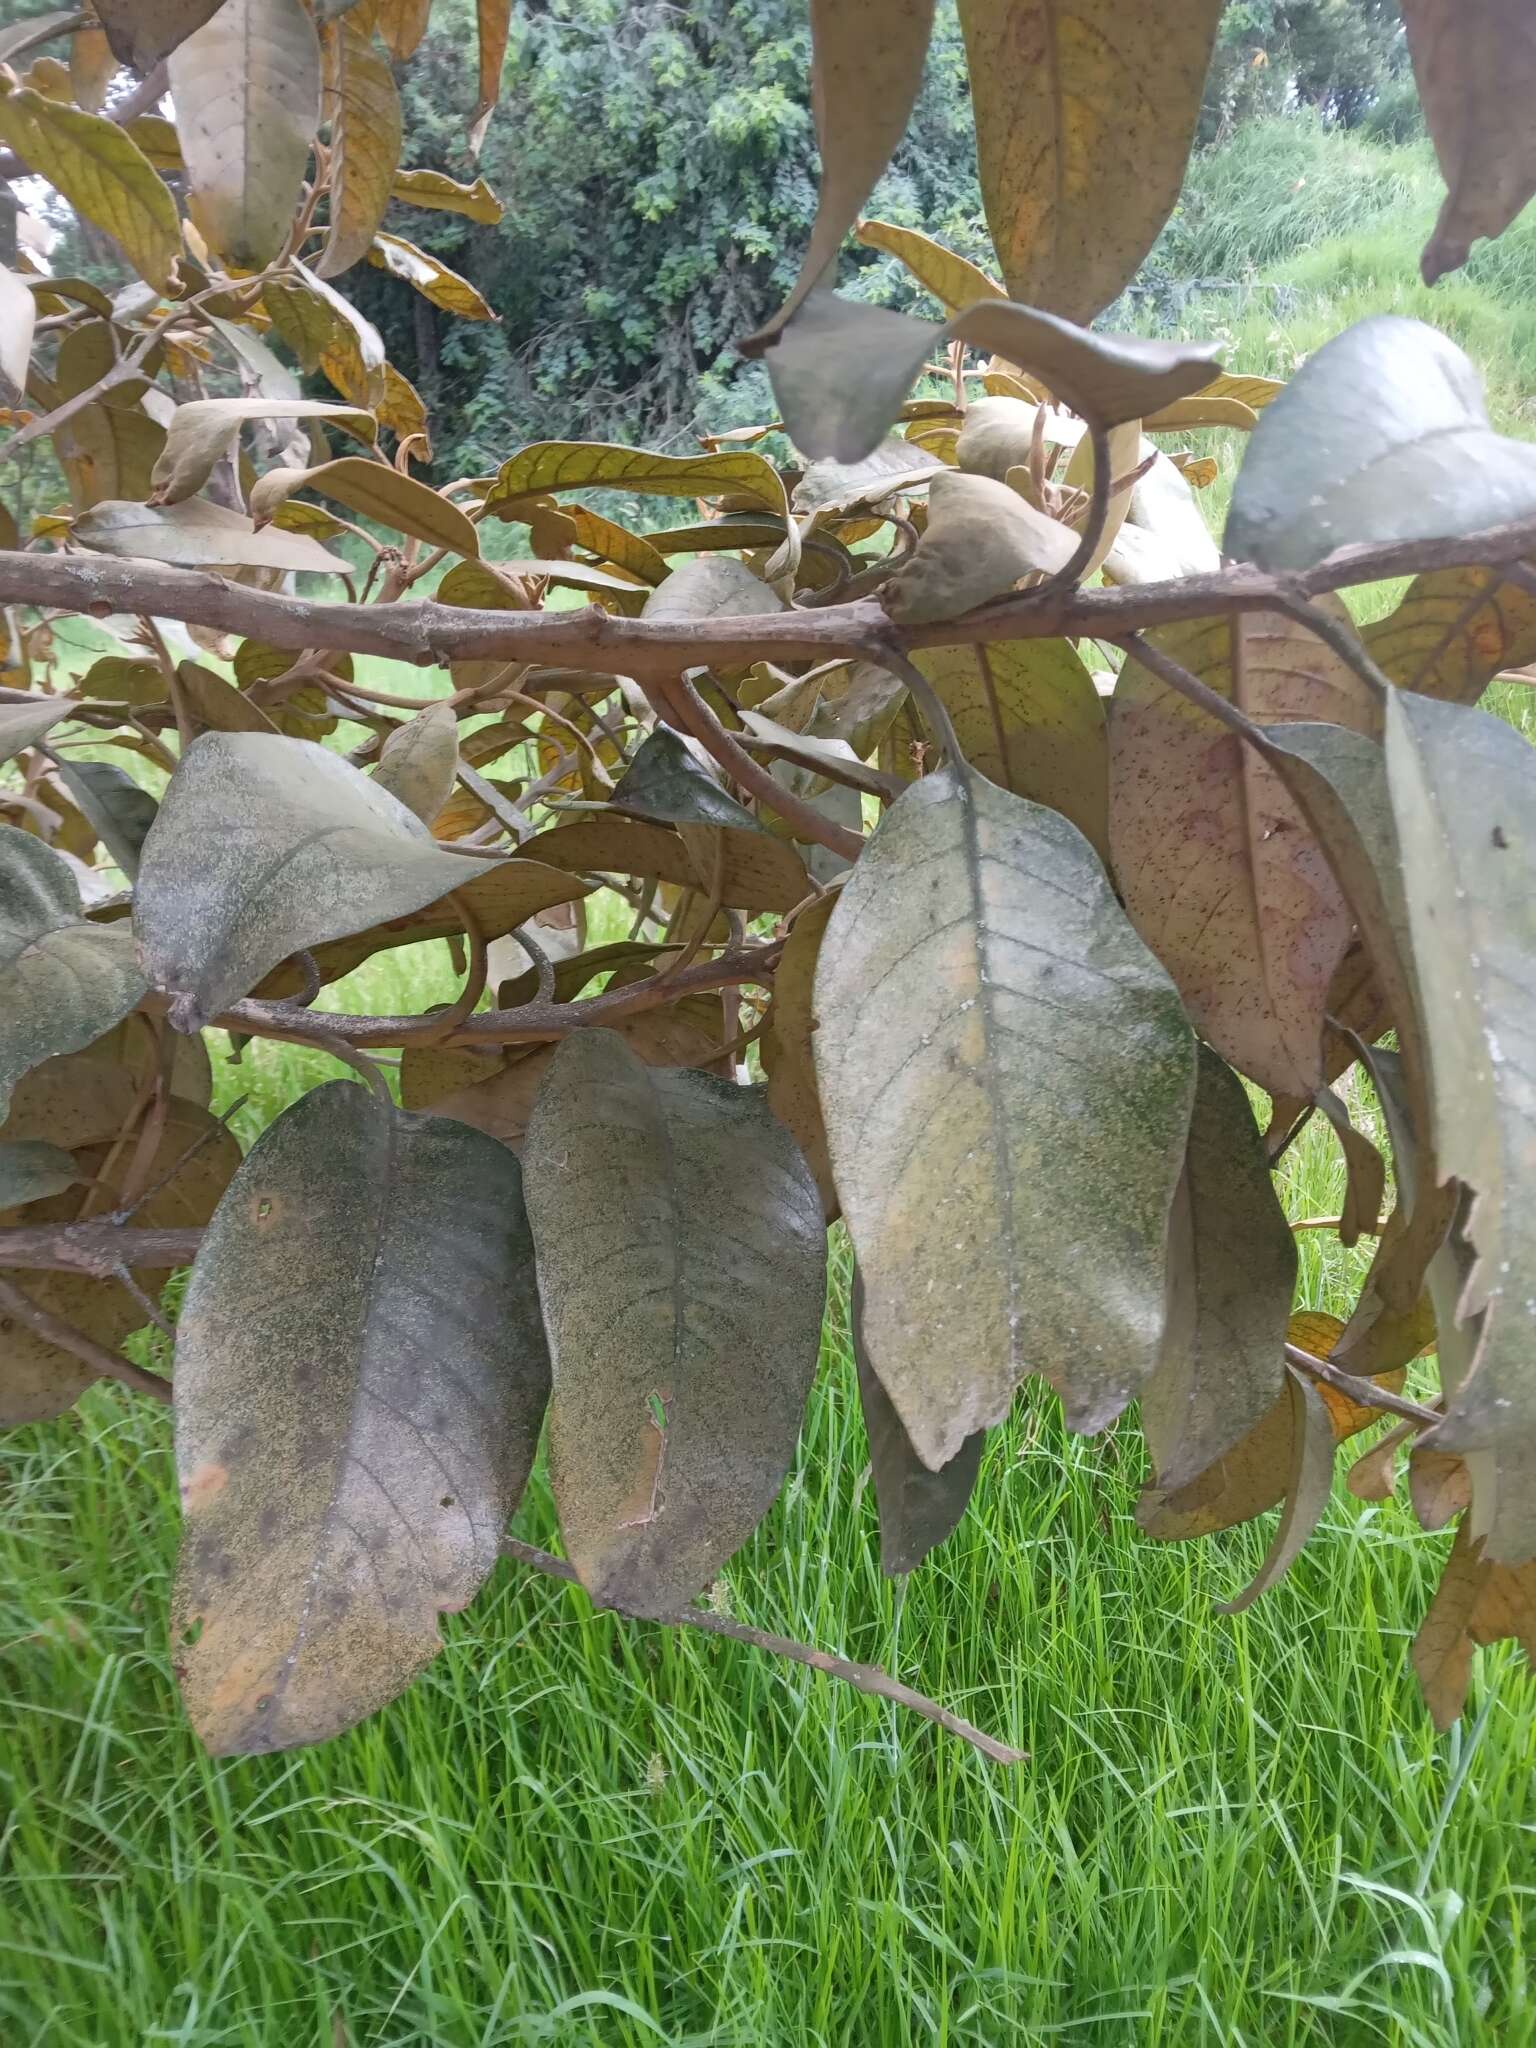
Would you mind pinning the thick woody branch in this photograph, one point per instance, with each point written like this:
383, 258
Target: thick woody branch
427, 633
96, 1249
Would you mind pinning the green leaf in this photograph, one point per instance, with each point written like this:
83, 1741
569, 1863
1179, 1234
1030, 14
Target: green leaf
1463, 790
1232, 1272
117, 809
376, 491
102, 173
1307, 1490
682, 1360
143, 32
439, 193
1381, 436
33, 1170
1220, 874
1474, 62
665, 783
266, 846
419, 762
1085, 113
246, 88
573, 465
953, 281
202, 432
360, 1377
365, 146
23, 725
866, 67
198, 534
63, 982
1028, 717
423, 271
985, 1011
919, 1509
981, 538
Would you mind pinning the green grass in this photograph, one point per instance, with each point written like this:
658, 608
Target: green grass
1230, 1832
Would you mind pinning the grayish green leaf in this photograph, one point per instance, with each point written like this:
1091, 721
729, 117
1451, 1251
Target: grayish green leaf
31, 1169
266, 846
117, 809
23, 725
198, 535
360, 1375
665, 783
711, 587
684, 1353
985, 1012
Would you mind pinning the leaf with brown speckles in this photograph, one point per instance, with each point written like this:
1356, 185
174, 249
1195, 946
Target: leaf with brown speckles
684, 1346
360, 1376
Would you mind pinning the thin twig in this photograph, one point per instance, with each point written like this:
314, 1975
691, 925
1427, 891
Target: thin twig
449, 1020
1365, 1391
543, 966
95, 1248
107, 1365
867, 1678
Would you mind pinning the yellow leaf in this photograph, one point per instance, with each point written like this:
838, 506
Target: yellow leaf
570, 465
493, 19
434, 280
103, 174
1201, 411
377, 492
953, 281
365, 146
436, 192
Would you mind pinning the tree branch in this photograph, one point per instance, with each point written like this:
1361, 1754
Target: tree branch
427, 633
863, 1677
1365, 1391
107, 1365
95, 1248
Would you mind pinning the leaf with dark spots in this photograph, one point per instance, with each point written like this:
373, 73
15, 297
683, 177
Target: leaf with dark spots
983, 1009
63, 980
665, 783
1222, 876
1454, 630
919, 1509
360, 1376
685, 1346
266, 846
1232, 1270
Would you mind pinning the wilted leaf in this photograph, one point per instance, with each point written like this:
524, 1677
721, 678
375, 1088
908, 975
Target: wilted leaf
1085, 112
493, 21
1463, 789
437, 192
432, 278
23, 725
1028, 717
866, 67
365, 146
1220, 873
953, 281
63, 982
919, 1509
571, 465
1308, 1486
378, 492
1232, 1270
33, 1170
981, 538
1205, 409
419, 761
683, 1360
266, 846
119, 811
350, 1447
760, 872
246, 88
1373, 1475
402, 24
787, 1049
982, 1006
198, 534
841, 487
141, 32
1453, 631
203, 431
103, 174
665, 783
1380, 436
1474, 63
1477, 1602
